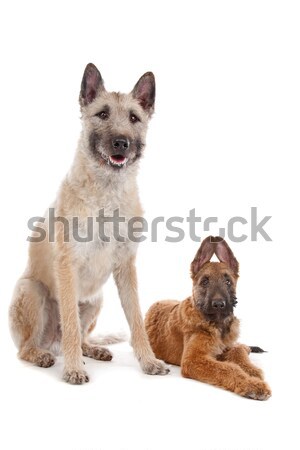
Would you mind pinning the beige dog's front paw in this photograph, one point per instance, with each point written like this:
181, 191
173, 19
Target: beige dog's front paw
74, 376
155, 367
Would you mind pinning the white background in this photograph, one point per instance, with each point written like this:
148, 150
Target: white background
225, 137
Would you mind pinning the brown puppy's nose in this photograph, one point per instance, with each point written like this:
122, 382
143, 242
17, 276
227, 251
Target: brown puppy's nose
120, 144
218, 304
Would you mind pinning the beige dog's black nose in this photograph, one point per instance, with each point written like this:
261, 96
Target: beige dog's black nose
218, 304
120, 143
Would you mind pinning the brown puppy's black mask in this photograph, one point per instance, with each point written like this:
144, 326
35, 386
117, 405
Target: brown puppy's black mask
214, 283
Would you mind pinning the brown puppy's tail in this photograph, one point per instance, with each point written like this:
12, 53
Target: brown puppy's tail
256, 349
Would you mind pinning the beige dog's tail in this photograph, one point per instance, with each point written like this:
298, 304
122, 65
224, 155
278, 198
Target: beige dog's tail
108, 339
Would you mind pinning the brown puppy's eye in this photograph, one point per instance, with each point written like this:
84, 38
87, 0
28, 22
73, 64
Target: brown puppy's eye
133, 118
204, 282
103, 115
228, 282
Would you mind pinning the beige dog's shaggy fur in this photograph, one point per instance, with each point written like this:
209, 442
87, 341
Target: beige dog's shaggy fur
58, 298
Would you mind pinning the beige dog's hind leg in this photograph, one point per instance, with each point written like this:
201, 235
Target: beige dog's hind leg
27, 322
125, 277
88, 318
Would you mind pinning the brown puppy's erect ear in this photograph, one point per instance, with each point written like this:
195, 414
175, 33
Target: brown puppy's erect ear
91, 84
203, 255
144, 92
225, 254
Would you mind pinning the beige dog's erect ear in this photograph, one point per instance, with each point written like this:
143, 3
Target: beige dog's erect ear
144, 92
225, 254
91, 85
203, 255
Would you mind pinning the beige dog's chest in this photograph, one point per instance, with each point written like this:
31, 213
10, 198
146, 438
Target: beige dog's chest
97, 257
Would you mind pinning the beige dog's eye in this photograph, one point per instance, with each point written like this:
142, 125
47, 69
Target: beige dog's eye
104, 115
133, 118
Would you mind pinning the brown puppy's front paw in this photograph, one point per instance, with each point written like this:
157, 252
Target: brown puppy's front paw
155, 367
96, 352
258, 390
76, 376
45, 360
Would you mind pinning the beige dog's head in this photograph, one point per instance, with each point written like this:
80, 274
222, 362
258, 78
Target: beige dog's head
115, 124
214, 283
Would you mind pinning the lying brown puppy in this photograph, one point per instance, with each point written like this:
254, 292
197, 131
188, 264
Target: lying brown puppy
200, 333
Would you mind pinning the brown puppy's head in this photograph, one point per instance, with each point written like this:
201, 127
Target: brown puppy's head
214, 283
115, 124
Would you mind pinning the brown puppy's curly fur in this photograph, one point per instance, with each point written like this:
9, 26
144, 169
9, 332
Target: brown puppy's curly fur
200, 333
